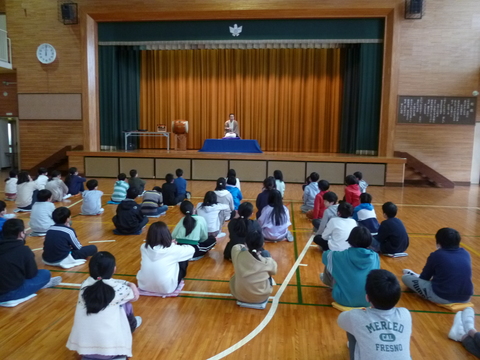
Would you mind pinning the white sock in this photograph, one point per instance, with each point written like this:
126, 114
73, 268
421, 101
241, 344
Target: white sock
468, 319
53, 282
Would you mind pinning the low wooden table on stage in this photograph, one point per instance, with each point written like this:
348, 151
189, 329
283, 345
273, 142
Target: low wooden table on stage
128, 134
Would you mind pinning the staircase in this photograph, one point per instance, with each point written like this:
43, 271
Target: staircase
56, 161
421, 174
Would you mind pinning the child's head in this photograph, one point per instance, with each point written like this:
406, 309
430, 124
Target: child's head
12, 228
158, 234
365, 198
314, 176
231, 180
383, 289
186, 207
23, 177
132, 193
99, 295
179, 172
345, 210
44, 195
122, 176
389, 210
351, 180
323, 185
245, 210
275, 199
12, 174
158, 189
278, 175
231, 172
55, 174
133, 173
269, 183
61, 215
358, 175
209, 199
360, 237
221, 184
330, 198
169, 178
73, 171
42, 171
254, 241
3, 207
448, 238
92, 184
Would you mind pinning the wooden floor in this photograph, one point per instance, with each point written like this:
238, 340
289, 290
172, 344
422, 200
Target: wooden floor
205, 320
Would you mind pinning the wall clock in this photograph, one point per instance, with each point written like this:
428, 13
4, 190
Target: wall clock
46, 53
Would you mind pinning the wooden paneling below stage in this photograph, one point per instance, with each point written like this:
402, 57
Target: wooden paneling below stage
153, 164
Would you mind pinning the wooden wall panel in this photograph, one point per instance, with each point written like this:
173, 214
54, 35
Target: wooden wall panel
8, 102
40, 139
445, 148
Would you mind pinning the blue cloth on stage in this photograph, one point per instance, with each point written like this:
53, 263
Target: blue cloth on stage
231, 145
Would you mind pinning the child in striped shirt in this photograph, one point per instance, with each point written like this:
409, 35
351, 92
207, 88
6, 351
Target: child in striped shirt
120, 188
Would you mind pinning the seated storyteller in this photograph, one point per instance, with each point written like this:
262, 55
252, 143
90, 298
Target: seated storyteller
129, 219
346, 271
381, 331
152, 203
392, 236
61, 240
19, 275
447, 275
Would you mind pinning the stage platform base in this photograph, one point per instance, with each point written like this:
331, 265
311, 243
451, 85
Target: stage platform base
152, 164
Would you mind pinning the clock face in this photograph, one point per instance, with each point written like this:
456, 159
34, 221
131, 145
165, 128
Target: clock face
46, 53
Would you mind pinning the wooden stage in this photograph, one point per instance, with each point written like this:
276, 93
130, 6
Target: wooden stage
155, 164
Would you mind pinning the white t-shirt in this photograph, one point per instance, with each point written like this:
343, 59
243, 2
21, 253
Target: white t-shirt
337, 232
280, 185
41, 182
211, 215
25, 193
41, 216
11, 186
92, 202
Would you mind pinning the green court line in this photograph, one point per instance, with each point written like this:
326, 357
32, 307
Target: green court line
297, 271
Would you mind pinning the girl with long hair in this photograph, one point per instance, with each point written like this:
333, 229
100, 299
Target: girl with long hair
275, 219
262, 198
213, 213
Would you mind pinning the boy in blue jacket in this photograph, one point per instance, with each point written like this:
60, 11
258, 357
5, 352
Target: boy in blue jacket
347, 270
236, 193
365, 215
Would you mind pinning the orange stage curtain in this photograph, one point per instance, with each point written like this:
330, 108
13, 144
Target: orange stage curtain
287, 99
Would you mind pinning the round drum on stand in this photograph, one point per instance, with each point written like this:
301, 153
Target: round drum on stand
180, 130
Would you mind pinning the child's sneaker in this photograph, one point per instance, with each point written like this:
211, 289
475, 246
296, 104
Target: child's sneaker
139, 321
410, 272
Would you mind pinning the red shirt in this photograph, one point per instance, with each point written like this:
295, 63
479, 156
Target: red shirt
352, 194
319, 205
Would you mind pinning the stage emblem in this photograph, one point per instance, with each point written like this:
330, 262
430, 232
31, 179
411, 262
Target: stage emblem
235, 30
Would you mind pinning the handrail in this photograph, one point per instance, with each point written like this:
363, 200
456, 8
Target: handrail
426, 170
54, 158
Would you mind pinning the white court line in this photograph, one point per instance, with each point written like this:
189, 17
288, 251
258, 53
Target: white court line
302, 264
99, 241
70, 284
37, 249
272, 310
204, 293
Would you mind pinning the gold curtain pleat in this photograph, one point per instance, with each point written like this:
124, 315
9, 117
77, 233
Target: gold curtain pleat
287, 99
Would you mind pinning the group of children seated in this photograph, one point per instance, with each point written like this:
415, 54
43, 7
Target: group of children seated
346, 231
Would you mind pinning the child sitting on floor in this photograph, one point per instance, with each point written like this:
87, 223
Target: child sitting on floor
279, 183
26, 192
74, 182
11, 186
92, 199
57, 187
104, 319
331, 210
170, 193
225, 197
252, 281
41, 215
42, 178
61, 240
275, 219
362, 184
338, 229
213, 213
120, 188
238, 228
136, 182
447, 275
381, 331
164, 263
392, 236
234, 191
232, 172
129, 219
152, 204
193, 230
262, 198
319, 206
352, 191
365, 214
181, 185
346, 271
309, 192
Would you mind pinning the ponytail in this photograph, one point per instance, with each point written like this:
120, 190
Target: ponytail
254, 242
189, 223
240, 226
99, 295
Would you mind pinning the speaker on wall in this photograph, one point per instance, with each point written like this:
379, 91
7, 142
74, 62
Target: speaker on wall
414, 9
69, 13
